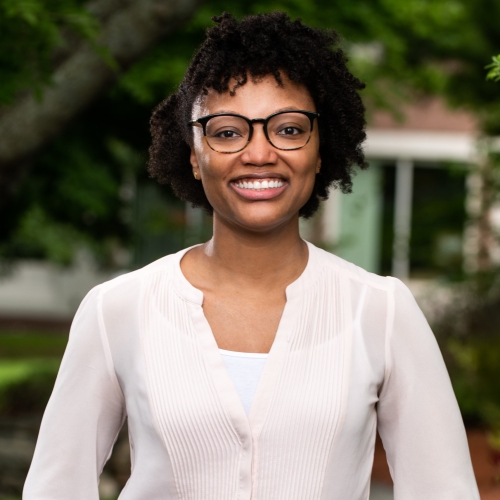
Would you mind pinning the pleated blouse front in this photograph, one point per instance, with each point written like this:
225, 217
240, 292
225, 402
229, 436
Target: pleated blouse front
352, 352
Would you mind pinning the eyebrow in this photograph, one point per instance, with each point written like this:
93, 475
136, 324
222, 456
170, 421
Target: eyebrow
288, 108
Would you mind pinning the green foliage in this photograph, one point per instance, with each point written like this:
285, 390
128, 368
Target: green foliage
469, 335
83, 189
153, 78
475, 373
72, 198
396, 48
30, 30
29, 362
494, 69
38, 234
26, 385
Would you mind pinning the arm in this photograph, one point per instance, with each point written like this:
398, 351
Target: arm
83, 417
418, 416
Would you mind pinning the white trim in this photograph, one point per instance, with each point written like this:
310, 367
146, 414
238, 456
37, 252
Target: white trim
421, 145
240, 354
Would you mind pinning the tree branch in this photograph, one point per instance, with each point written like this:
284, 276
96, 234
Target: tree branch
130, 29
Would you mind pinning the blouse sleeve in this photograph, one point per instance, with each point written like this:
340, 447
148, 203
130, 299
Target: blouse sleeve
83, 417
418, 416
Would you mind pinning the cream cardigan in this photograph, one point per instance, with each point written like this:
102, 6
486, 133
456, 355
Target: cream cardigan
352, 353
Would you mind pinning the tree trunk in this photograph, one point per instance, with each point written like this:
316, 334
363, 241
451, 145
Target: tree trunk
130, 28
479, 232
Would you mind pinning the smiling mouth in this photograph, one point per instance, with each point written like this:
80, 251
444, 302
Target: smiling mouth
259, 185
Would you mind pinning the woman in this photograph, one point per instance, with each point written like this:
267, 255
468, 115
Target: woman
255, 365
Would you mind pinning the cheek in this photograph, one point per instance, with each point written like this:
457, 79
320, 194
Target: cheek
307, 176
214, 173
306, 166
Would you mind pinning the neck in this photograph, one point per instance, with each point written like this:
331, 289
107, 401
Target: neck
264, 260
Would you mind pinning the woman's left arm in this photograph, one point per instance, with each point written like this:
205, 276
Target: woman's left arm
418, 416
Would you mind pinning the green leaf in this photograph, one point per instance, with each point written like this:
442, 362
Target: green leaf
30, 30
494, 69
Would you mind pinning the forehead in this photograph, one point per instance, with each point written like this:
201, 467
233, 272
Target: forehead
255, 99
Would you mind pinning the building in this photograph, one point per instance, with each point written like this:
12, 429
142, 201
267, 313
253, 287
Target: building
377, 226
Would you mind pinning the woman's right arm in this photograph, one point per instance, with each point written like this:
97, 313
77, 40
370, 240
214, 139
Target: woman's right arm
83, 417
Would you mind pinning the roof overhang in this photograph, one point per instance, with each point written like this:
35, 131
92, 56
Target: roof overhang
421, 145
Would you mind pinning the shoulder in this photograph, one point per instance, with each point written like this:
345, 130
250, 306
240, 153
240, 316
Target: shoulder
124, 290
397, 295
326, 260
163, 266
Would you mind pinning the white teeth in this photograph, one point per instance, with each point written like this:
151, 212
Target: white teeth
258, 185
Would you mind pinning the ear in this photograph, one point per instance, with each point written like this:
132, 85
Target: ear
318, 165
194, 163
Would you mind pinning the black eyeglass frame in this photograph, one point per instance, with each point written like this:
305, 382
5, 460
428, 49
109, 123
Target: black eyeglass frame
202, 122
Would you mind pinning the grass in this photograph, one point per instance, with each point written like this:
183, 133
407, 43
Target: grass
31, 344
29, 361
26, 385
15, 371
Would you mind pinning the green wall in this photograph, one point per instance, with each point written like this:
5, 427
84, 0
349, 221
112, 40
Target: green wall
361, 220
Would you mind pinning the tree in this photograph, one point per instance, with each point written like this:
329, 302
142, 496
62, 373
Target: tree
84, 72
399, 49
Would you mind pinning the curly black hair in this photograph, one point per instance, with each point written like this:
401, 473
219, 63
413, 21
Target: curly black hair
256, 46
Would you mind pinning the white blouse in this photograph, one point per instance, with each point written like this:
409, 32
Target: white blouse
244, 369
352, 353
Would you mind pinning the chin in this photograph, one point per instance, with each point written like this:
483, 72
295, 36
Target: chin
262, 221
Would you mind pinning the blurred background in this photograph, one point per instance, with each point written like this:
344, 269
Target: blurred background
78, 82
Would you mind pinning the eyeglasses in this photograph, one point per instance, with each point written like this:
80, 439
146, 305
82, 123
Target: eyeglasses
230, 133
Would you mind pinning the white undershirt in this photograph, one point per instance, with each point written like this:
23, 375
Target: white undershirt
245, 369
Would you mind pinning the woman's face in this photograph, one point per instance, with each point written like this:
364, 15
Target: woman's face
225, 176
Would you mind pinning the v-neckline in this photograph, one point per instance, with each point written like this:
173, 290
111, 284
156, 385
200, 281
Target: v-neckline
246, 426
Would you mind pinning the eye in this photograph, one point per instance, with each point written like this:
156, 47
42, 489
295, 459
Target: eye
227, 134
290, 131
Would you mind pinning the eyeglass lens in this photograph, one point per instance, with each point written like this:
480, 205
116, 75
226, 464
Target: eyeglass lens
231, 133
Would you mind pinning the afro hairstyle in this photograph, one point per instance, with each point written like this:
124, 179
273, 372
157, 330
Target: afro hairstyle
257, 46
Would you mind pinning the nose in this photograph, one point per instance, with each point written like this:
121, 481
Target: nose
259, 151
